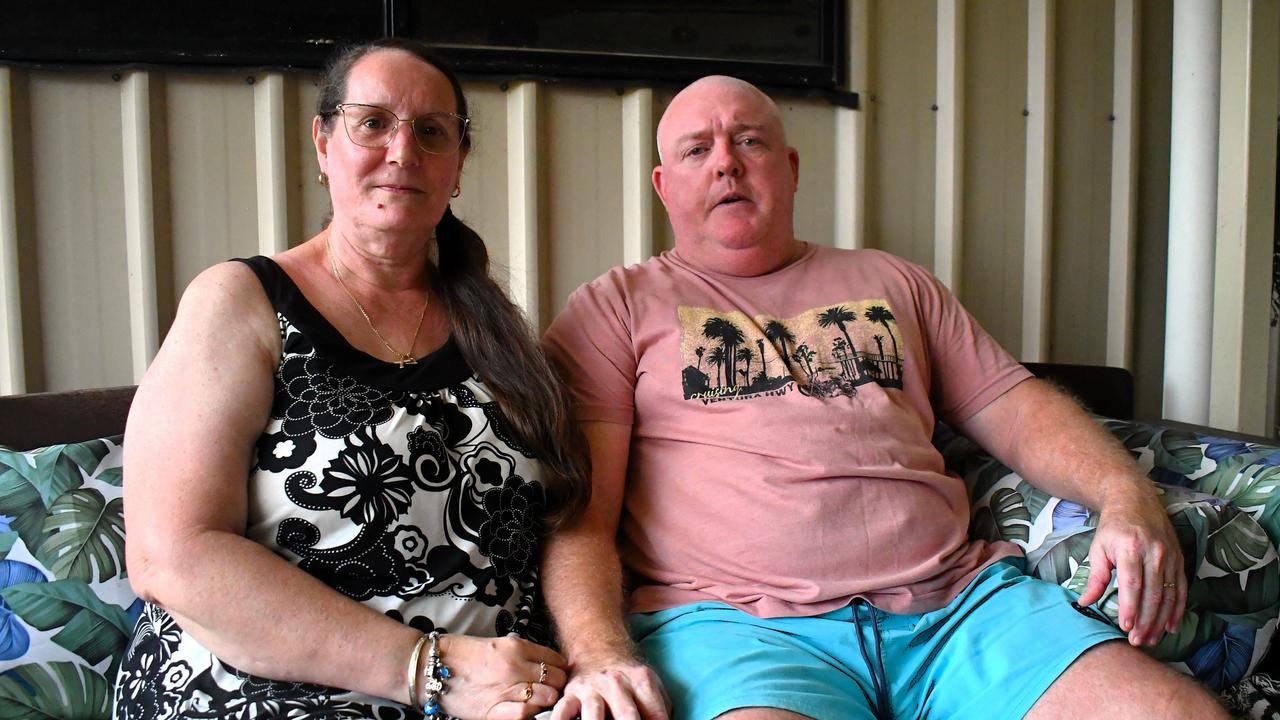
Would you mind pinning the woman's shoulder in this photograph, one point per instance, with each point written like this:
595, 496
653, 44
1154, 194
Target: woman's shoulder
231, 286
217, 359
226, 303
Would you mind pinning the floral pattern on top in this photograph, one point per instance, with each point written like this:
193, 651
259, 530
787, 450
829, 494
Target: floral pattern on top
316, 400
418, 503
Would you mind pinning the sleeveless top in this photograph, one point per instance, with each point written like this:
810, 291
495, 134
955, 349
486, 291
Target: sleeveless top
401, 488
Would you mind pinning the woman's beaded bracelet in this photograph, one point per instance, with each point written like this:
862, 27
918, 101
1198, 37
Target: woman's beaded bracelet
433, 679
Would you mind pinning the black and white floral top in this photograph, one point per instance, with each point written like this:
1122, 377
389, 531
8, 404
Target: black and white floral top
403, 489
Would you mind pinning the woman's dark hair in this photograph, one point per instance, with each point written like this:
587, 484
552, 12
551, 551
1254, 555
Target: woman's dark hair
491, 331
333, 80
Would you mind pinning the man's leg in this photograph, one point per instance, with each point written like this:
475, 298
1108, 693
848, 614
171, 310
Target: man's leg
1118, 681
717, 662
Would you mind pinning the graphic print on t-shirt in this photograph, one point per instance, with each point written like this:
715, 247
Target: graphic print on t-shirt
826, 351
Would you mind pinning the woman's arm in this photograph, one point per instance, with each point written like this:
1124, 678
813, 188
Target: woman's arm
189, 448
190, 436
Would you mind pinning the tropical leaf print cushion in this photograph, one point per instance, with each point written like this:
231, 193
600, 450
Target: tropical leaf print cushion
1221, 498
66, 608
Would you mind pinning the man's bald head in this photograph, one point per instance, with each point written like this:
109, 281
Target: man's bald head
727, 177
716, 85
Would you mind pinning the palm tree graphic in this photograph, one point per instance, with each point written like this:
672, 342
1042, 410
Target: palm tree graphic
730, 337
745, 355
876, 367
716, 357
699, 352
779, 335
881, 314
838, 316
764, 368
804, 355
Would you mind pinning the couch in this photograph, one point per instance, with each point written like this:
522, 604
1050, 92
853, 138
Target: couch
66, 609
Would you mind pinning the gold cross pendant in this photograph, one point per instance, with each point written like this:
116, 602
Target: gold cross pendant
405, 359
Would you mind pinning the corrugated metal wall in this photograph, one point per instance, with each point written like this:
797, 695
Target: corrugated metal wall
993, 145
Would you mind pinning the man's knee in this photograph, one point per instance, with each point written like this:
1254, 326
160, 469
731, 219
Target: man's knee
1116, 680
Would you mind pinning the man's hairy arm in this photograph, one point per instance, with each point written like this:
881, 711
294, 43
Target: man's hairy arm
1044, 435
582, 582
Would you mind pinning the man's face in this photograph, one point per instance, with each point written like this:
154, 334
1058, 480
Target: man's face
727, 178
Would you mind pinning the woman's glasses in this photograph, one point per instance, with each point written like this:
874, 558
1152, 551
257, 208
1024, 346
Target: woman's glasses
439, 133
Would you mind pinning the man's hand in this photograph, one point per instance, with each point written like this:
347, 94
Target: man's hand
1134, 538
1046, 437
623, 689
582, 583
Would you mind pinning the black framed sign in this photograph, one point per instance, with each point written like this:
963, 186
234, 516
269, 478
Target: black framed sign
781, 43
775, 42
238, 33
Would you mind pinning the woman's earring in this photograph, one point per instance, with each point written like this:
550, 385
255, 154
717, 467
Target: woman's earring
323, 179
457, 190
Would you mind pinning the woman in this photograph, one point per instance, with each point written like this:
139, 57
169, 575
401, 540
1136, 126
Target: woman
405, 445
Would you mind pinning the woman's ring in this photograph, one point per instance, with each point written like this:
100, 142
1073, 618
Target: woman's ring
1170, 586
528, 691
542, 672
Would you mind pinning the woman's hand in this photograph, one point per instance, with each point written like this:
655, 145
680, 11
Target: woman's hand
499, 678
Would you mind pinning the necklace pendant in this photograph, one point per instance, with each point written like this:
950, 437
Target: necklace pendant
402, 359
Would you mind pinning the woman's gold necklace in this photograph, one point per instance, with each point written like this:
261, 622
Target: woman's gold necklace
401, 358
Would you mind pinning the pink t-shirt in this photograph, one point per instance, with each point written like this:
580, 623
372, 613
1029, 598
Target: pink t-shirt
780, 429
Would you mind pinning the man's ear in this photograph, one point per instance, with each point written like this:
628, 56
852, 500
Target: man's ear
793, 157
657, 185
320, 139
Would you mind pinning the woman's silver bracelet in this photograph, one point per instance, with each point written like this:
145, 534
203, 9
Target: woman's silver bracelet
433, 679
413, 670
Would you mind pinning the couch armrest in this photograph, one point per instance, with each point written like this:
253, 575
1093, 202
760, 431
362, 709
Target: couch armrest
1223, 498
1231, 466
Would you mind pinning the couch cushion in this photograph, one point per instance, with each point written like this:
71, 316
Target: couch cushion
66, 608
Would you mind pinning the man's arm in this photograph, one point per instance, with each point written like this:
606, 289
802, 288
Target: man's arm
1045, 436
582, 581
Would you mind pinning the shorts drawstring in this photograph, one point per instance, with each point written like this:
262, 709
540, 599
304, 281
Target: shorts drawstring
879, 680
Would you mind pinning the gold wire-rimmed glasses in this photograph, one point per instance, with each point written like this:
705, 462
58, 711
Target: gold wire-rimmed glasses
373, 126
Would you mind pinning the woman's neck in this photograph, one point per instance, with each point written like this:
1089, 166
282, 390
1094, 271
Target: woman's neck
381, 261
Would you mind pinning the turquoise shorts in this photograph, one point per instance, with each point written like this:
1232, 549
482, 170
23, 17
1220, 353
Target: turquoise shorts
991, 653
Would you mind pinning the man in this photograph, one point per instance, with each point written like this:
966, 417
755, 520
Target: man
759, 413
